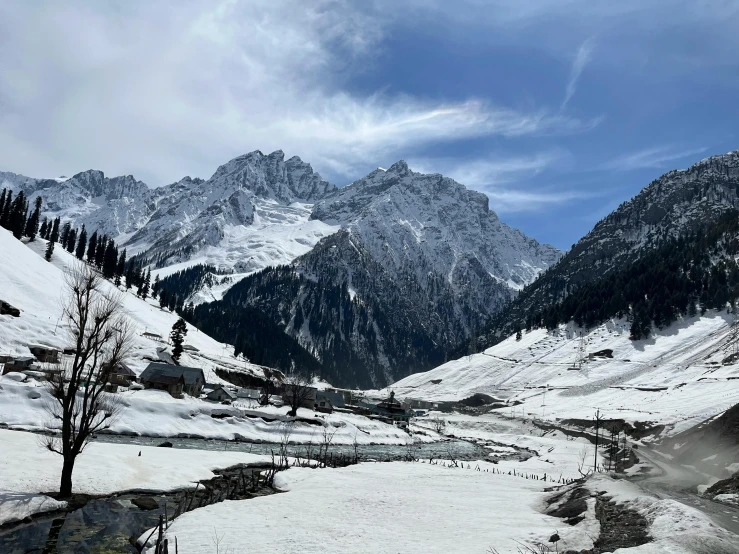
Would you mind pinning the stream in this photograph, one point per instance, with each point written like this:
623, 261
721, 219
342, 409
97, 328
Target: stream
106, 525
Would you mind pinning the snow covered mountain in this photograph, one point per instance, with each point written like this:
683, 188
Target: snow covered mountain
678, 202
419, 265
253, 212
387, 275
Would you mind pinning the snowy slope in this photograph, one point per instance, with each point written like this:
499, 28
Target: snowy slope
419, 222
35, 287
675, 377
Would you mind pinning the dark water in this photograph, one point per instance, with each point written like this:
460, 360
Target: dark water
462, 450
103, 526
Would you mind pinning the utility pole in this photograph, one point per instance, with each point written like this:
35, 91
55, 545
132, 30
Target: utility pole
597, 428
581, 352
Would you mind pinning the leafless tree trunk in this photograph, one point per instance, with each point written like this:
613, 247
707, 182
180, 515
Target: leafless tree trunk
297, 391
101, 336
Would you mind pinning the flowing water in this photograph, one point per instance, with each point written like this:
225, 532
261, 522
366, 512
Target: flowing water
105, 525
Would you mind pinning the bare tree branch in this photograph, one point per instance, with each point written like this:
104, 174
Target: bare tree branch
101, 336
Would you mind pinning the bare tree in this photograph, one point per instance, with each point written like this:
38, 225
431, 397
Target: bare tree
438, 424
100, 335
298, 392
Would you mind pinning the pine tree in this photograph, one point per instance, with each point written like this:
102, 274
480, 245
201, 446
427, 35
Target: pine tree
17, 221
518, 332
44, 225
129, 275
143, 291
2, 201
81, 244
120, 268
163, 299
92, 247
5, 211
155, 287
52, 239
33, 221
177, 336
110, 260
71, 240
100, 251
65, 234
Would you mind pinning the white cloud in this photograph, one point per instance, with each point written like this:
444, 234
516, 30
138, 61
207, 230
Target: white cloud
144, 88
656, 157
489, 174
584, 55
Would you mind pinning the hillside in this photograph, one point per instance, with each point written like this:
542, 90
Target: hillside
35, 287
679, 202
676, 377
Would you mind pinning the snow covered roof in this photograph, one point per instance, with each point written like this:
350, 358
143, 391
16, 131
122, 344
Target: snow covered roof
156, 370
227, 392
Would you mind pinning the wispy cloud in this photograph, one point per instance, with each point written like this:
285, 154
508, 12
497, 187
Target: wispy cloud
655, 157
143, 89
502, 178
582, 58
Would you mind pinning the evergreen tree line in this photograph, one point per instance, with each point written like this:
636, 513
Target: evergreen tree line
682, 277
17, 217
187, 282
98, 250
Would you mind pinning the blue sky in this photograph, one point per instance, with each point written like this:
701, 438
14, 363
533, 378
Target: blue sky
558, 109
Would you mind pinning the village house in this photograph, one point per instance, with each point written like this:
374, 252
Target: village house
45, 354
120, 376
336, 399
306, 395
174, 379
220, 393
392, 411
21, 363
323, 404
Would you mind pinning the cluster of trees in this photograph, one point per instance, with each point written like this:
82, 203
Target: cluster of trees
16, 215
682, 277
187, 282
253, 334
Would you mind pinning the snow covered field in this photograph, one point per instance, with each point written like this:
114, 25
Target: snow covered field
675, 377
388, 507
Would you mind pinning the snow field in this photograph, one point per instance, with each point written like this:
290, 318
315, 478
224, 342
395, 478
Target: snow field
384, 507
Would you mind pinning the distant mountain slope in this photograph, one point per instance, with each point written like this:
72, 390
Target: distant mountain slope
680, 201
675, 377
419, 263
